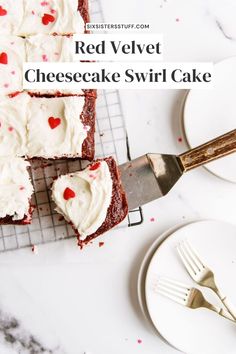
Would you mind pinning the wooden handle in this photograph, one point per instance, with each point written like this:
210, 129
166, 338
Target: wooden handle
214, 149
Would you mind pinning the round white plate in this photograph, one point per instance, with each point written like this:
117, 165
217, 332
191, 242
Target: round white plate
210, 113
195, 331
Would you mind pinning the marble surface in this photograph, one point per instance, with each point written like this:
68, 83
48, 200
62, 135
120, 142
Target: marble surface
62, 300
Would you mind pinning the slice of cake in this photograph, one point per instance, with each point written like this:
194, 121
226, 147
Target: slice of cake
46, 48
15, 191
49, 17
13, 125
61, 127
92, 200
12, 56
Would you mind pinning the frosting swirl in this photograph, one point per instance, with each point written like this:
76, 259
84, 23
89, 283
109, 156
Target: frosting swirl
54, 16
87, 206
55, 127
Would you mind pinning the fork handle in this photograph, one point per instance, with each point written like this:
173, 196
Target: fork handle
230, 308
221, 312
214, 149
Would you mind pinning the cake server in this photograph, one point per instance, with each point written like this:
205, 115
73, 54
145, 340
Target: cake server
152, 176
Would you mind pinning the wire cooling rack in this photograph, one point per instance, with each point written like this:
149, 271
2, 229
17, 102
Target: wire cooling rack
47, 225
111, 140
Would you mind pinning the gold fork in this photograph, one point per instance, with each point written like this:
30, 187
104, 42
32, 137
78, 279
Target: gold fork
200, 273
186, 296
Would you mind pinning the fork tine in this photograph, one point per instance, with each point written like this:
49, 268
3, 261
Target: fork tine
172, 289
194, 254
190, 254
173, 283
190, 258
185, 260
173, 298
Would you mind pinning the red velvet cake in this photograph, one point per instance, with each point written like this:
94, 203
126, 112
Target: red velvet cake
50, 128
92, 200
49, 48
49, 17
61, 127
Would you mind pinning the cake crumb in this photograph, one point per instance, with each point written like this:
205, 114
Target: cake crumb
139, 341
44, 57
34, 249
177, 19
101, 244
180, 139
152, 219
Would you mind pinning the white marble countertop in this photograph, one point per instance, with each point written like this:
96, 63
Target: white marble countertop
77, 302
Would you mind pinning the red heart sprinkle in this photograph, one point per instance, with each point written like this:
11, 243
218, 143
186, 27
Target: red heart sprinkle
68, 194
54, 122
94, 166
3, 12
47, 18
44, 57
3, 58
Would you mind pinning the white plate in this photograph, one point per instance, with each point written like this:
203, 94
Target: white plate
195, 331
209, 113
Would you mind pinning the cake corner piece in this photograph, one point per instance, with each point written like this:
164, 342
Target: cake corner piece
92, 200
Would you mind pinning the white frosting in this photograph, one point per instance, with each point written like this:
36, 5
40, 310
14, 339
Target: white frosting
93, 193
12, 48
64, 140
10, 22
51, 49
65, 17
13, 124
15, 187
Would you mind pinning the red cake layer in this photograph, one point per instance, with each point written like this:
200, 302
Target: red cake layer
118, 208
91, 93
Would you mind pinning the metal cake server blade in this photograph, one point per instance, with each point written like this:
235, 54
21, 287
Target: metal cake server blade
152, 176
